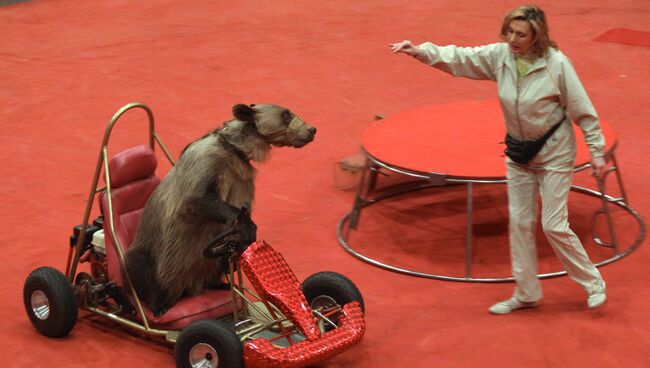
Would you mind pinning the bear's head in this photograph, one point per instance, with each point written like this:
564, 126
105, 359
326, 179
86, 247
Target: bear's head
278, 125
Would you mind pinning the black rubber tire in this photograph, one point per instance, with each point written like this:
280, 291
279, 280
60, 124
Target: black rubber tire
60, 297
218, 335
331, 285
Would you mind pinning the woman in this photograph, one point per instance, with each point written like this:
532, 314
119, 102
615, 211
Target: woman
540, 94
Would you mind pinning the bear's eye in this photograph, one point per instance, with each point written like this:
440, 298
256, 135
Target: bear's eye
286, 116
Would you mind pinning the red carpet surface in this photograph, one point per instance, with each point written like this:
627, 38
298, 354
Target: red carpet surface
67, 66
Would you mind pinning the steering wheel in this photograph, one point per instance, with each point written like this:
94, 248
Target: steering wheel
221, 245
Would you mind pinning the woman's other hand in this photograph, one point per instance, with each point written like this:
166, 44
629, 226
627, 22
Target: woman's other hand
405, 47
598, 166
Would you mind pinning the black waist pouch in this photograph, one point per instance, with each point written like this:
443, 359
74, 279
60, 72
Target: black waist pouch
523, 151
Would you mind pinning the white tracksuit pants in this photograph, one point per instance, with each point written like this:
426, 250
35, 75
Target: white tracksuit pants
550, 174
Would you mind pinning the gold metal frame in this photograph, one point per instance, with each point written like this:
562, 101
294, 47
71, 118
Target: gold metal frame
242, 297
75, 253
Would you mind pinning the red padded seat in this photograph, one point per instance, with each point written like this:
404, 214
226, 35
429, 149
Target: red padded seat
133, 179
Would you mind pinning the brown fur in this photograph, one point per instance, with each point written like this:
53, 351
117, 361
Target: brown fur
212, 179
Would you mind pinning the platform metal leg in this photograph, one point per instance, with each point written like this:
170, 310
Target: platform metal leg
613, 243
366, 184
469, 232
619, 179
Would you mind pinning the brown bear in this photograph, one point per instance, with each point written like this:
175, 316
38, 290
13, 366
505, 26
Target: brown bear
199, 197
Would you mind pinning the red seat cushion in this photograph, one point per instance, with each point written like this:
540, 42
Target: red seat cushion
210, 304
128, 205
132, 176
131, 165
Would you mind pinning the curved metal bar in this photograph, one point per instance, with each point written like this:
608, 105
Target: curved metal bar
341, 226
434, 175
120, 112
153, 136
71, 266
400, 170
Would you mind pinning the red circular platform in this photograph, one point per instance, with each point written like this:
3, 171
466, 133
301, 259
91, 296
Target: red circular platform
459, 139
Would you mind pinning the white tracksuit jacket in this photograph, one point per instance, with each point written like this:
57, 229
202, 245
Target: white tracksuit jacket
549, 93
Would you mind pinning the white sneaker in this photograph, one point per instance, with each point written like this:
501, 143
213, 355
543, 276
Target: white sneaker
511, 305
597, 297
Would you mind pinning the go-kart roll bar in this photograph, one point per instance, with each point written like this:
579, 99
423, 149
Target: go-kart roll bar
102, 163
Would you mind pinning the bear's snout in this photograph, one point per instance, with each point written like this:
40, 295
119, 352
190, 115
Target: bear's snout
305, 135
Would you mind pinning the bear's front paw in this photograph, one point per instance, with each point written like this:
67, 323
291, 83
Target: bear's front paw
247, 231
160, 310
220, 286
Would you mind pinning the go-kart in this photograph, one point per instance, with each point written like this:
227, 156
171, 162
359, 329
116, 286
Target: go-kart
280, 323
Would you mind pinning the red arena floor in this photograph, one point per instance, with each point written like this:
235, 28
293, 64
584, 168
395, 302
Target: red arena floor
66, 66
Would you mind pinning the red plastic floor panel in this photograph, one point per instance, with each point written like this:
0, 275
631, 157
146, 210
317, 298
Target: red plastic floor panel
260, 353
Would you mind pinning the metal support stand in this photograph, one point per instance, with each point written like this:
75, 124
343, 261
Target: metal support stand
365, 198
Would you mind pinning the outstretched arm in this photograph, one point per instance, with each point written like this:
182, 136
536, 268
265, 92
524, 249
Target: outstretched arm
470, 62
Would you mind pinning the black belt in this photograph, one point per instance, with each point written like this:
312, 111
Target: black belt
522, 152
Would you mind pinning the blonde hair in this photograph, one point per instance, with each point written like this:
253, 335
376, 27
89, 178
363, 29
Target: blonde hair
537, 20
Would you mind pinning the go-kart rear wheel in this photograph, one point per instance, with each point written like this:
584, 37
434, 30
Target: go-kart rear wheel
327, 290
50, 302
208, 344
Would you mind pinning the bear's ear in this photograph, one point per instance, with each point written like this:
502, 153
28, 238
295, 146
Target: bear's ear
243, 113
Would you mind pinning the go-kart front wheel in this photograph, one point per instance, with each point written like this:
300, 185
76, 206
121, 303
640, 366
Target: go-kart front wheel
50, 302
208, 344
330, 290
